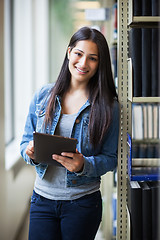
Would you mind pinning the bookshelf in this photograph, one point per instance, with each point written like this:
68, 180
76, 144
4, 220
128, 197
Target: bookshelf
134, 21
127, 21
131, 98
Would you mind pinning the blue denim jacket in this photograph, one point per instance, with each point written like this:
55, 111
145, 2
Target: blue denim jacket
98, 161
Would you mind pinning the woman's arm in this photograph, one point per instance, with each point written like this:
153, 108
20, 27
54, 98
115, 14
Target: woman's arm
30, 127
97, 165
106, 159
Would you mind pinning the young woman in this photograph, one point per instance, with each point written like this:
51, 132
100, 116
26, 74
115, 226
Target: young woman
66, 202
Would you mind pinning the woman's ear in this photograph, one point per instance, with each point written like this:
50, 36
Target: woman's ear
68, 52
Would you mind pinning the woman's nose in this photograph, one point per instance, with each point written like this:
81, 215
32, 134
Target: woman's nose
83, 61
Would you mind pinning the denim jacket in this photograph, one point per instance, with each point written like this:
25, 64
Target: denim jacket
98, 160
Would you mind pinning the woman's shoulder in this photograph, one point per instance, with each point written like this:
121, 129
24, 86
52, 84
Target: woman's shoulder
44, 91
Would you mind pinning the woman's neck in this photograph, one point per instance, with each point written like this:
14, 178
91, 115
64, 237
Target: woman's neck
73, 100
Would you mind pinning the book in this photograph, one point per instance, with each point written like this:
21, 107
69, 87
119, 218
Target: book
137, 121
158, 121
146, 62
137, 7
146, 8
146, 211
150, 120
155, 121
155, 8
157, 151
155, 189
154, 62
145, 121
135, 150
143, 149
135, 52
135, 209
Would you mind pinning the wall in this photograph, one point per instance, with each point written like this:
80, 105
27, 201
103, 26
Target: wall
16, 183
16, 188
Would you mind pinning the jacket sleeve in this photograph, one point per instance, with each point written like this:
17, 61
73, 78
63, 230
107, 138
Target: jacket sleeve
106, 159
30, 127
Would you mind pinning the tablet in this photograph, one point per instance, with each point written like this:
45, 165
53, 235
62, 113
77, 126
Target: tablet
45, 145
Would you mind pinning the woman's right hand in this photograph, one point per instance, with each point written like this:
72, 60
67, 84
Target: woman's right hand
30, 150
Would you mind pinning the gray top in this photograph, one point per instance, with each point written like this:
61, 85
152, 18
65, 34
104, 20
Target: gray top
53, 185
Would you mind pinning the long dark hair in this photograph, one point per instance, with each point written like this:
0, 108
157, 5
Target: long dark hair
101, 86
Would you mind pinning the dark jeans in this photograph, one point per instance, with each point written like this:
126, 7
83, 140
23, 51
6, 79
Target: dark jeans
65, 220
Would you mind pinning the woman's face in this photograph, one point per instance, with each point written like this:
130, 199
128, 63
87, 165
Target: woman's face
83, 61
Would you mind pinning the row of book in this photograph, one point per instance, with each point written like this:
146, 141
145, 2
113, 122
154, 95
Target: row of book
144, 51
145, 121
146, 150
144, 209
146, 7
145, 167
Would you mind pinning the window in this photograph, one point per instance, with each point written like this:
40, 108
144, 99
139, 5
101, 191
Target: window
26, 65
9, 106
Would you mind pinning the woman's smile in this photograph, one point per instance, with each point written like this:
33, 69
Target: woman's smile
81, 70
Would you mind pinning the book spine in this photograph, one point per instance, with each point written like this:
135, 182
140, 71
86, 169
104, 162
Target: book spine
154, 59
135, 210
146, 211
146, 8
146, 62
137, 7
155, 8
135, 48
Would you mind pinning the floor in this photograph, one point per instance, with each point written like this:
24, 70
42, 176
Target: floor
23, 234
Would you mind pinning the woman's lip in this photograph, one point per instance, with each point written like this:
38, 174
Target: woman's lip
80, 70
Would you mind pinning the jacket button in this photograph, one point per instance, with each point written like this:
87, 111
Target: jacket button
74, 181
77, 120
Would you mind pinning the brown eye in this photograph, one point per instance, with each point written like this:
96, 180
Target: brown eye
78, 54
93, 59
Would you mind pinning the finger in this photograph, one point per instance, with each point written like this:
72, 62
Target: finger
62, 159
67, 154
58, 157
77, 151
31, 145
30, 149
30, 153
65, 161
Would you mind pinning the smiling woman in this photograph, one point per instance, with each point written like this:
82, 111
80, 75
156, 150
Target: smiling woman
82, 104
83, 61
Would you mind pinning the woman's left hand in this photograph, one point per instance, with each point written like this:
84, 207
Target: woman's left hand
74, 162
